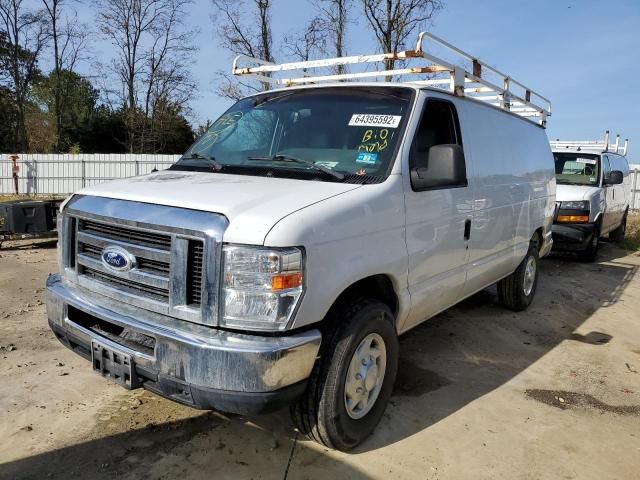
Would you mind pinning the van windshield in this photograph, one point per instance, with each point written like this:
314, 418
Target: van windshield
345, 134
577, 168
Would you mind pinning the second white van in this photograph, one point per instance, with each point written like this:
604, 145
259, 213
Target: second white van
594, 192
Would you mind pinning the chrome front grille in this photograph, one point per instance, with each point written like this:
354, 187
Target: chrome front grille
152, 273
129, 235
175, 255
194, 273
128, 286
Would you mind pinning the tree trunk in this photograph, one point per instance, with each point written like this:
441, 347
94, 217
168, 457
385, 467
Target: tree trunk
57, 90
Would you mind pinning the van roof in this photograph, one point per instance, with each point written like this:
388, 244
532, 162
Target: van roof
483, 83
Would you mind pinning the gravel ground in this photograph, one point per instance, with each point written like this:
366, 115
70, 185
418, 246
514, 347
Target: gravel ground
553, 392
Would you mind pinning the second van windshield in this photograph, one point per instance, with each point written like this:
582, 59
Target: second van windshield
577, 168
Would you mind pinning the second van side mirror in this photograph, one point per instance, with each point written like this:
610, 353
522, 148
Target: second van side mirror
615, 177
445, 168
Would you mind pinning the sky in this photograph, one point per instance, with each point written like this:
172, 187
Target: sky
581, 54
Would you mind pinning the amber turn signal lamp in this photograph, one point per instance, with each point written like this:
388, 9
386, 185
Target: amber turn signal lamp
573, 218
286, 281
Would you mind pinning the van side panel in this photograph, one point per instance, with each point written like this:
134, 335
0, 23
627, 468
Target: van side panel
514, 190
436, 242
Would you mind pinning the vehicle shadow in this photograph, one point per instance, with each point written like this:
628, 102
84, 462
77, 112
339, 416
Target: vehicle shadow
446, 363
476, 346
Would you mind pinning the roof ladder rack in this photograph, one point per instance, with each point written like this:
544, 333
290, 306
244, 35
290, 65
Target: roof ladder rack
504, 93
600, 146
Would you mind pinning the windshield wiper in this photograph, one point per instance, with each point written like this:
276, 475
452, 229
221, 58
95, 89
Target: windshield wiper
289, 158
215, 166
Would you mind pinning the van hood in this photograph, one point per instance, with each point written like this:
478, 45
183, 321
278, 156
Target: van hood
252, 204
565, 193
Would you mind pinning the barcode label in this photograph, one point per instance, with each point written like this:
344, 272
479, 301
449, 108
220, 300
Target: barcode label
367, 120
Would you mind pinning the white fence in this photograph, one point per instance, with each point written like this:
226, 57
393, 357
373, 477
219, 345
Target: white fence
61, 174
635, 189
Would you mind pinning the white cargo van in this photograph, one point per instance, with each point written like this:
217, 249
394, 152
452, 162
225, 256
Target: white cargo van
594, 191
279, 259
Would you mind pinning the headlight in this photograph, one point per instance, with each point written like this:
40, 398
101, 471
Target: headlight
581, 214
575, 205
261, 286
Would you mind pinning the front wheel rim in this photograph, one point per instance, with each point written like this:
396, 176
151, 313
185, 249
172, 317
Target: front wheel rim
365, 376
529, 276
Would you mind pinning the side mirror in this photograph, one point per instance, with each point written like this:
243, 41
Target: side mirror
615, 178
445, 168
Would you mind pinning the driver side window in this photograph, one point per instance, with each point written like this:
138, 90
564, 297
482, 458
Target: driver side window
439, 126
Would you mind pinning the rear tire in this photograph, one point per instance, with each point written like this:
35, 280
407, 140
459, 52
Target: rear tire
617, 235
590, 253
516, 291
323, 414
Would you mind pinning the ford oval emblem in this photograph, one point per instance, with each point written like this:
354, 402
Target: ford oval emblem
117, 259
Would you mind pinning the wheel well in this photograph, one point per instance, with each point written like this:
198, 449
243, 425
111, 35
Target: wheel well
378, 287
538, 234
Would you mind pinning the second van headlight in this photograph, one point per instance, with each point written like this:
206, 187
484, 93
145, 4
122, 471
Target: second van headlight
261, 286
574, 211
575, 205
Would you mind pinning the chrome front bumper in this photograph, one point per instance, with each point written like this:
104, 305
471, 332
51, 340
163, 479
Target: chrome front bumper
193, 364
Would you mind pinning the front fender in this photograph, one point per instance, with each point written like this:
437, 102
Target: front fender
347, 238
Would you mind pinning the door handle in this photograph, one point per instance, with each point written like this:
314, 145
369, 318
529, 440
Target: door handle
467, 229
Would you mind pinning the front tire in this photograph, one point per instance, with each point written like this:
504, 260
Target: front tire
590, 254
352, 381
516, 291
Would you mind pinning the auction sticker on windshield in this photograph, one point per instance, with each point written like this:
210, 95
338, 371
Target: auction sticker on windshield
590, 161
368, 120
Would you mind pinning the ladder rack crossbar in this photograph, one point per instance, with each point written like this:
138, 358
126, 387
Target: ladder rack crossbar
443, 74
600, 146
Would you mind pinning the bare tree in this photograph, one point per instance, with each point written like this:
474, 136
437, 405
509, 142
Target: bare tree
69, 38
244, 28
27, 35
393, 21
312, 40
334, 20
153, 53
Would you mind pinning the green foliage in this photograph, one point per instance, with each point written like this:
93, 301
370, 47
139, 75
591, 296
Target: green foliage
105, 133
75, 149
78, 105
8, 122
86, 125
11, 123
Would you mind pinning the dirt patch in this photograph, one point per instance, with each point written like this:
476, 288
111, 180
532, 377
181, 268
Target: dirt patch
564, 400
